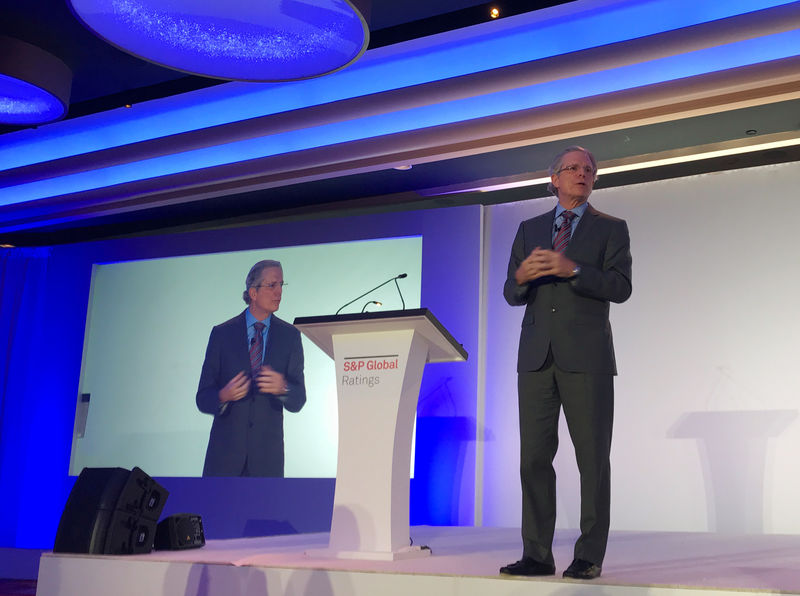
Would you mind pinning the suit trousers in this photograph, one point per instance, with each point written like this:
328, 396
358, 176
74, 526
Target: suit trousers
588, 403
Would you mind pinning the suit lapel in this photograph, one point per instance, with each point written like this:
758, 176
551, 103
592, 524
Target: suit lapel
582, 231
242, 346
543, 231
273, 339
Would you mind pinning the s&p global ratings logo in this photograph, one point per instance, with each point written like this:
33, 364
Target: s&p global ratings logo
368, 371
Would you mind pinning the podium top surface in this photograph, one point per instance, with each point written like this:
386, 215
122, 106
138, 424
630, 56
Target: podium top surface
442, 346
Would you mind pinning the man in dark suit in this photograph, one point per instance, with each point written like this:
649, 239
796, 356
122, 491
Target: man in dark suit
253, 370
566, 267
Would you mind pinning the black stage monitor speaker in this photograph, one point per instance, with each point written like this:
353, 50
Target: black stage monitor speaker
180, 531
111, 511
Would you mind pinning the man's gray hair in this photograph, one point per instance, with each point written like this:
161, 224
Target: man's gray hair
558, 161
254, 276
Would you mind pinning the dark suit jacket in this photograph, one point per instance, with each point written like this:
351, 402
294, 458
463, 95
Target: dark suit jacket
251, 428
570, 316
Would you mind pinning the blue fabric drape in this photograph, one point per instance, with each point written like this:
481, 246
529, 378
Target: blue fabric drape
23, 292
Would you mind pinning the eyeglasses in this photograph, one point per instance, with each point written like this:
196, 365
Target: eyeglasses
273, 285
575, 168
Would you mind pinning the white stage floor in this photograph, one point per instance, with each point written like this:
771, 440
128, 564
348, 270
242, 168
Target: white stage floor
465, 561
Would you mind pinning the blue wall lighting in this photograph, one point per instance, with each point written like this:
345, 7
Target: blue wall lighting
240, 40
34, 85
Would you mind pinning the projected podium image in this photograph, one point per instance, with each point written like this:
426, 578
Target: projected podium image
379, 360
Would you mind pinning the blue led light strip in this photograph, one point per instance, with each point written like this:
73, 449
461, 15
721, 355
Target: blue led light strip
491, 45
239, 102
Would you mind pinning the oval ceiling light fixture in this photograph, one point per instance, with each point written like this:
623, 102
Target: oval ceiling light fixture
242, 40
34, 85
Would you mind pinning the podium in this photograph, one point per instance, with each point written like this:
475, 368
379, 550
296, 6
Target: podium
379, 358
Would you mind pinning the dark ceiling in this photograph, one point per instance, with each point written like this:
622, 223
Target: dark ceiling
106, 78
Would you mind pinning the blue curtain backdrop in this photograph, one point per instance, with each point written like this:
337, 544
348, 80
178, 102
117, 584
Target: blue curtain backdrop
23, 368
43, 298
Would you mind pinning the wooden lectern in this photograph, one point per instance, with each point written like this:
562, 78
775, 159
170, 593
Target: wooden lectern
379, 358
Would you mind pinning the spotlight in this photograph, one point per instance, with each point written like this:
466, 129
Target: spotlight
494, 12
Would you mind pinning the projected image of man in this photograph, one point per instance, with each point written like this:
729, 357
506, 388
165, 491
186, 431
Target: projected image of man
252, 372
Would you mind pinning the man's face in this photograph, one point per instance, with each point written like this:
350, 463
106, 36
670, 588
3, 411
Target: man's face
574, 180
265, 296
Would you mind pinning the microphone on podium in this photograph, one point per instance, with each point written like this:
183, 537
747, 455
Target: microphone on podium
393, 279
375, 302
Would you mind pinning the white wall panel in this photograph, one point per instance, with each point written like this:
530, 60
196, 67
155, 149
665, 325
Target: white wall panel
706, 426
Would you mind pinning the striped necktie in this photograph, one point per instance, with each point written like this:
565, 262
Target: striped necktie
564, 232
257, 347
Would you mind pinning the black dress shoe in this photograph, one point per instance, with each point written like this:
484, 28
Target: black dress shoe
528, 566
582, 569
